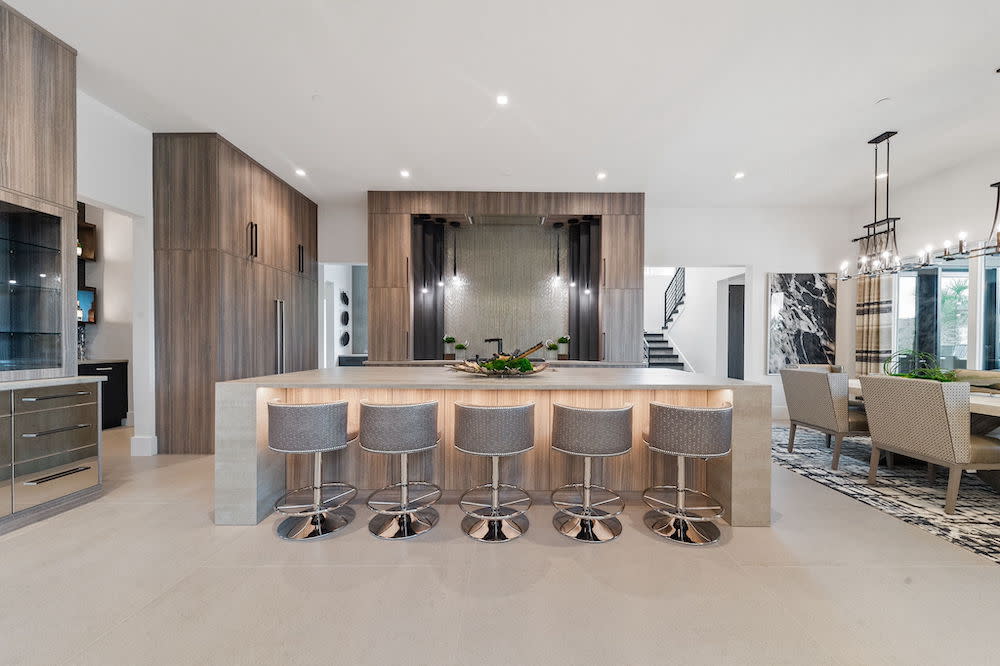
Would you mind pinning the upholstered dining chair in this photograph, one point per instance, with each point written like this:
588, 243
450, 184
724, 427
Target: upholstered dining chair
818, 401
929, 421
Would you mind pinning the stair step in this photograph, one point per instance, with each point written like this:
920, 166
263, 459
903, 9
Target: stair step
657, 344
670, 366
663, 356
653, 336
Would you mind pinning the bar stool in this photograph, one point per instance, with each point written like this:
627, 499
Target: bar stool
315, 429
401, 430
589, 433
494, 511
686, 432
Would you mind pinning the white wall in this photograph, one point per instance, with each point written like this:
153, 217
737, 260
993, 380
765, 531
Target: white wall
694, 331
342, 230
654, 282
115, 172
111, 337
786, 240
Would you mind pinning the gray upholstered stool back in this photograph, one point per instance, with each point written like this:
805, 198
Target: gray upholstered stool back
592, 432
306, 428
698, 432
398, 428
494, 431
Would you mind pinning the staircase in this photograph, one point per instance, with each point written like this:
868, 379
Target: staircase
659, 351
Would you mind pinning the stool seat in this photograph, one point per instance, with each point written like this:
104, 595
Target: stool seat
495, 512
320, 509
402, 510
679, 513
587, 511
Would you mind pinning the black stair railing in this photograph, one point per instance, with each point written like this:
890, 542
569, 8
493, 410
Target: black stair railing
673, 296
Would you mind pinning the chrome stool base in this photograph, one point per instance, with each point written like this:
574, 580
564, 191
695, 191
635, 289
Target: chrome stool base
601, 528
682, 530
405, 525
490, 526
314, 527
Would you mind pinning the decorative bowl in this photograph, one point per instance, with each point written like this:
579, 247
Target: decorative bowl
477, 368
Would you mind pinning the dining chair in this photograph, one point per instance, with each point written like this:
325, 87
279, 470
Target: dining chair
929, 421
819, 401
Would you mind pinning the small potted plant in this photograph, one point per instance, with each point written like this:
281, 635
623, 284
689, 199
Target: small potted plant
551, 351
449, 347
563, 348
460, 351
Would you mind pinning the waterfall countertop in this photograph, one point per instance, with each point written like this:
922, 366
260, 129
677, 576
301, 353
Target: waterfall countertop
555, 378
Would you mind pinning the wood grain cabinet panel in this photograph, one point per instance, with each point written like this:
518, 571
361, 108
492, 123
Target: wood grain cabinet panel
238, 313
622, 251
185, 191
234, 183
37, 112
389, 250
621, 324
388, 323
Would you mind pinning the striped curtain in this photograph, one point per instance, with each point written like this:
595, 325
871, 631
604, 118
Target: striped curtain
873, 327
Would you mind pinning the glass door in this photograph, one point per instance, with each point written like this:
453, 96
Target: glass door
31, 293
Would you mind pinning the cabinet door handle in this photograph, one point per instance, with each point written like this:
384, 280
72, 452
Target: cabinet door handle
54, 431
37, 398
52, 477
302, 259
250, 238
256, 240
604, 271
107, 368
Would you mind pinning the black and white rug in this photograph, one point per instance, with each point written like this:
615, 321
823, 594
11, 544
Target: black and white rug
903, 491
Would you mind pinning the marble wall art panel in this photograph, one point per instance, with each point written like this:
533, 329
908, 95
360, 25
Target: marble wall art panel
802, 319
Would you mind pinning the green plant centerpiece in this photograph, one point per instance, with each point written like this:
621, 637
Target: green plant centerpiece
916, 365
563, 347
449, 347
517, 364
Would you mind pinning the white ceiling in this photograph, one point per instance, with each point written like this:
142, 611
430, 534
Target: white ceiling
668, 97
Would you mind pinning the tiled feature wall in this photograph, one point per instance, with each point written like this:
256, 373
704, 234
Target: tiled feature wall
506, 287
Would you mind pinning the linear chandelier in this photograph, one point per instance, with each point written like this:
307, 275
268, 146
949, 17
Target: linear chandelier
878, 251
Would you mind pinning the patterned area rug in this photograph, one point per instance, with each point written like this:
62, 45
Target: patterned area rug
902, 492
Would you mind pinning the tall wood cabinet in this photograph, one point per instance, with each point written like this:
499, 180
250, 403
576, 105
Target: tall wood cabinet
235, 255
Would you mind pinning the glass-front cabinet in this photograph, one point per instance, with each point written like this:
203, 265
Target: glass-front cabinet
31, 289
932, 314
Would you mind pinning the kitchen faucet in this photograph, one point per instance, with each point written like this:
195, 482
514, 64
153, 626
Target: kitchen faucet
499, 342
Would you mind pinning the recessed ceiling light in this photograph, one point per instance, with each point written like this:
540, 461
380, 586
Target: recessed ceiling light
300, 172
403, 173
502, 100
739, 175
882, 175
601, 175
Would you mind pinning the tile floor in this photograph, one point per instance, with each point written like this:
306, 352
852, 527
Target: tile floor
142, 576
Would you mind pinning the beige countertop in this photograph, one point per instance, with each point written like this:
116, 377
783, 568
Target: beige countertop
91, 361
554, 364
55, 381
553, 379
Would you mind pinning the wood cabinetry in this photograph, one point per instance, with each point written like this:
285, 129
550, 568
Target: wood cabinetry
390, 307
227, 260
621, 324
37, 112
622, 251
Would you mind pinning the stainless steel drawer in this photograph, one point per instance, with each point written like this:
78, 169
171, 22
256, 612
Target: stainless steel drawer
6, 459
36, 486
53, 431
52, 397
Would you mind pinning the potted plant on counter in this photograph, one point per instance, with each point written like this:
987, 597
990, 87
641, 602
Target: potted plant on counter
563, 347
449, 347
460, 351
551, 350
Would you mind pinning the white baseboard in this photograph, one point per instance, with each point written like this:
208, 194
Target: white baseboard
144, 445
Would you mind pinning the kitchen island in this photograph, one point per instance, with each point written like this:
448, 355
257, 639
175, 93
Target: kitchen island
249, 477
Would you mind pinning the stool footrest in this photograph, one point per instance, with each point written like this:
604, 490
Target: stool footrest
698, 506
386, 504
514, 501
604, 502
341, 494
